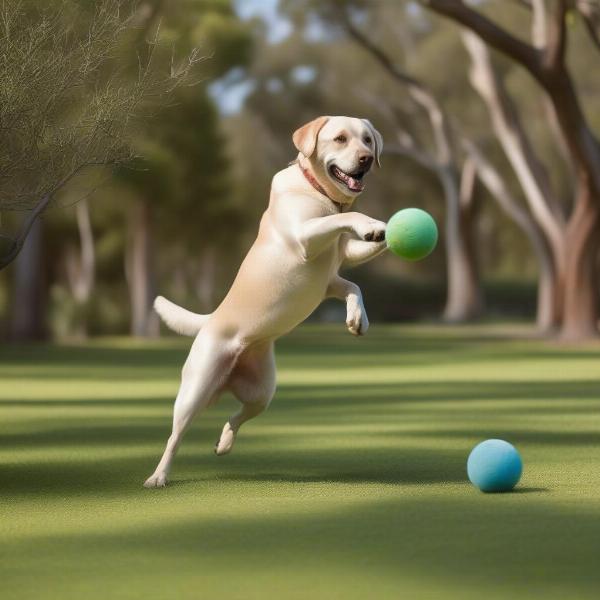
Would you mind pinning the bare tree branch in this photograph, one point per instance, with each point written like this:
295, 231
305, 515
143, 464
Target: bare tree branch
511, 134
18, 242
65, 100
416, 89
539, 24
405, 143
593, 33
496, 36
554, 55
590, 13
468, 179
494, 182
582, 142
411, 151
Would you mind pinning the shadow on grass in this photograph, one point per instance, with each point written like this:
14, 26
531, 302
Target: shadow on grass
530, 490
315, 396
459, 546
124, 475
307, 347
359, 408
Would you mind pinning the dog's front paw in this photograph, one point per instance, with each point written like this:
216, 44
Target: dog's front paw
370, 230
356, 320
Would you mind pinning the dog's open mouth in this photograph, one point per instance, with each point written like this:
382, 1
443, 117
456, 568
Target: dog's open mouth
353, 181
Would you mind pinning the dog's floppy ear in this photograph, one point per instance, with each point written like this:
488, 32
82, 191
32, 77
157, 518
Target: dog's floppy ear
378, 140
305, 138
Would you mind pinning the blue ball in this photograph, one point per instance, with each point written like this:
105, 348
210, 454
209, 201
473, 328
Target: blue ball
494, 466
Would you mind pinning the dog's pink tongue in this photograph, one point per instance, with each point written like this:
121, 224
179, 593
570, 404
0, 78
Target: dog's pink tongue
354, 184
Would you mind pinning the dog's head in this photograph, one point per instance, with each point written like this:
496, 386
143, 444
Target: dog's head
341, 151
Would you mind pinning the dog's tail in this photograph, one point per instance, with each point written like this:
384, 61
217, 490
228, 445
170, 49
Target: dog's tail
179, 319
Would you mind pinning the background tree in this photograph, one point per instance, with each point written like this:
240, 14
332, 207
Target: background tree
574, 246
60, 112
67, 104
181, 215
440, 154
287, 91
182, 179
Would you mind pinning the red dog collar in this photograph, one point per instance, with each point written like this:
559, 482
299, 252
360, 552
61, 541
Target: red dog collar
312, 180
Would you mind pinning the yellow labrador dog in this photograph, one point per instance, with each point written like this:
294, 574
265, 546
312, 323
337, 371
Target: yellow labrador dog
306, 234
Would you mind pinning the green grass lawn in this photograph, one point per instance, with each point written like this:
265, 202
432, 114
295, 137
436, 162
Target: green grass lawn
351, 486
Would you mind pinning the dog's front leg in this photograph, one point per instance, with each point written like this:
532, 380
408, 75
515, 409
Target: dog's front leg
356, 315
316, 235
355, 252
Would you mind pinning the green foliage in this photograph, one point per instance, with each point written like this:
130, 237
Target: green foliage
180, 167
67, 99
183, 168
59, 109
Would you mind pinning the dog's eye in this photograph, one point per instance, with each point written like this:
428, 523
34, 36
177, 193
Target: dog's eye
341, 139
368, 139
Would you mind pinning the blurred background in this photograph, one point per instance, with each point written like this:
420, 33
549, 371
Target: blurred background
170, 201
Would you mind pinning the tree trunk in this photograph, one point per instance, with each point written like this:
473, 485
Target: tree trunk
80, 267
28, 322
579, 239
580, 315
547, 314
464, 298
205, 284
140, 272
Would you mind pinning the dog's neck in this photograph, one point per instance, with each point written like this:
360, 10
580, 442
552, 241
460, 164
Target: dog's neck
314, 182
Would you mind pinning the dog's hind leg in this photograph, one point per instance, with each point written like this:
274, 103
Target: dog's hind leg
253, 383
206, 370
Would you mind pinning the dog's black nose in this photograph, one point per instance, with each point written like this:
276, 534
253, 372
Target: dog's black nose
365, 161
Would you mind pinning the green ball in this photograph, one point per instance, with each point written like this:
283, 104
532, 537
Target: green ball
411, 234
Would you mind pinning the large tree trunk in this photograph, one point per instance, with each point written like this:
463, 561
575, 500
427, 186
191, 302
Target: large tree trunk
573, 245
140, 272
28, 322
580, 313
535, 183
464, 298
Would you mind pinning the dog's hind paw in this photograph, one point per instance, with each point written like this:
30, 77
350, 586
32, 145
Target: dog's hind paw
157, 480
225, 442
